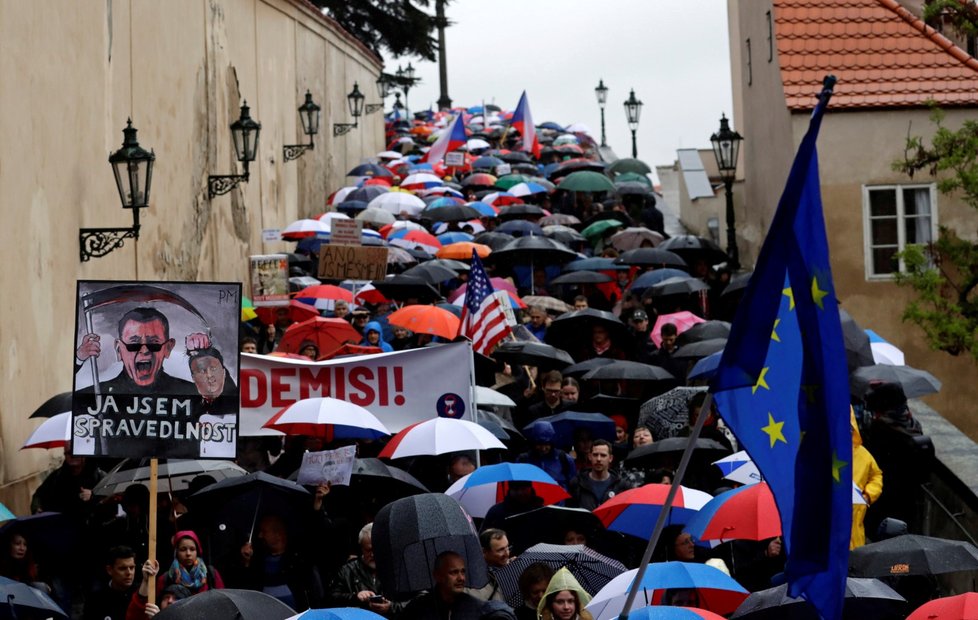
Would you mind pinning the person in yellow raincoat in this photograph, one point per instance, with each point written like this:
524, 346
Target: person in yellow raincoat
868, 477
564, 599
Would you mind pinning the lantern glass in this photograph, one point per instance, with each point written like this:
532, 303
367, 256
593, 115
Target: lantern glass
601, 92
244, 134
132, 167
309, 115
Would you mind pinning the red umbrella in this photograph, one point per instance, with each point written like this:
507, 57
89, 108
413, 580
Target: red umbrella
426, 320
745, 513
960, 607
418, 238
54, 432
326, 334
296, 310
634, 511
370, 295
325, 291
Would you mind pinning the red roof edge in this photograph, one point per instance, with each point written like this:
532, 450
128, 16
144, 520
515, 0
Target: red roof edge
316, 13
943, 42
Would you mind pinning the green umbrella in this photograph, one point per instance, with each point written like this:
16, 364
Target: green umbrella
587, 181
629, 177
597, 229
509, 180
630, 165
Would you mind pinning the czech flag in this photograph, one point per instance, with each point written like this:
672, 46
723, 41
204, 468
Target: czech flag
447, 142
523, 122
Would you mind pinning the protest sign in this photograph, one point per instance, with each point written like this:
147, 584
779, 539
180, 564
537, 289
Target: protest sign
503, 170
400, 388
348, 262
156, 369
455, 159
327, 467
269, 235
269, 280
345, 232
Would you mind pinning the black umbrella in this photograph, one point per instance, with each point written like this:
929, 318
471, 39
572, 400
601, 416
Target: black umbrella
499, 426
59, 403
369, 170
865, 599
548, 525
534, 249
632, 188
430, 272
352, 206
591, 569
582, 277
912, 554
700, 349
520, 228
366, 193
228, 604
450, 213
652, 257
713, 448
693, 248
50, 534
915, 382
450, 263
575, 165
174, 474
858, 350
737, 283
20, 601
668, 413
594, 263
567, 423
520, 210
543, 356
607, 404
495, 240
564, 234
486, 162
629, 371
406, 287
514, 157
410, 533
382, 481
569, 328
707, 330
582, 368
242, 501
676, 286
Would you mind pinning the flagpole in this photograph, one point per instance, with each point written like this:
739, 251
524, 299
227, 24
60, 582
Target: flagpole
670, 499
472, 401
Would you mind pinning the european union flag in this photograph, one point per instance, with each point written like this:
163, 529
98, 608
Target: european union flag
782, 385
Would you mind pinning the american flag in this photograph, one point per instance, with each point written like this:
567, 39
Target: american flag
483, 320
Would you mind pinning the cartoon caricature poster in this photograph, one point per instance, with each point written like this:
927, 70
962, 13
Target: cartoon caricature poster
156, 369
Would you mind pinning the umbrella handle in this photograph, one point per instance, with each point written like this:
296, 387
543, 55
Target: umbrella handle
13, 610
254, 520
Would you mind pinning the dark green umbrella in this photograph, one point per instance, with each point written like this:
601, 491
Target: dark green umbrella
509, 180
630, 165
633, 176
587, 181
599, 228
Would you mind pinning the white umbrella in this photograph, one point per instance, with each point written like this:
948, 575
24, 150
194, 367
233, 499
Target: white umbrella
390, 155
439, 436
55, 432
421, 180
306, 227
398, 202
489, 396
883, 351
326, 417
376, 215
329, 216
475, 144
342, 193
578, 128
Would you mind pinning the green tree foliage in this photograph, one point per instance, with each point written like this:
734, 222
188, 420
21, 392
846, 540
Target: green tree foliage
401, 27
944, 273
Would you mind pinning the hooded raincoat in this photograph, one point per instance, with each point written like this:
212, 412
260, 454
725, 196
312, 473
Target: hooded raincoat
868, 476
564, 580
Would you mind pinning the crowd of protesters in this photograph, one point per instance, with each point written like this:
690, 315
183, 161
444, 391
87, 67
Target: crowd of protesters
324, 556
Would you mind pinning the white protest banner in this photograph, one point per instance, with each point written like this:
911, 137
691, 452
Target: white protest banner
345, 232
400, 388
503, 170
454, 160
327, 467
269, 235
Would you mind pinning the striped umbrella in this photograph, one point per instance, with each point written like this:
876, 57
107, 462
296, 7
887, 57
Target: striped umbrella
635, 511
487, 486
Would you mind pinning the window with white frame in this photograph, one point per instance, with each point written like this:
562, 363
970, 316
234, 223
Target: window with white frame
895, 216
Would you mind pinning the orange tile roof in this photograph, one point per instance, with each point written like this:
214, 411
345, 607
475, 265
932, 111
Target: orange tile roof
883, 55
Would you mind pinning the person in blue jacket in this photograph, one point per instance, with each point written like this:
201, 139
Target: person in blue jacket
372, 337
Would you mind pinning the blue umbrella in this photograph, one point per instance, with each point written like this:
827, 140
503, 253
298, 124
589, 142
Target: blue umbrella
338, 613
598, 425
519, 228
550, 125
28, 602
706, 367
444, 201
651, 278
486, 162
454, 236
483, 208
5, 514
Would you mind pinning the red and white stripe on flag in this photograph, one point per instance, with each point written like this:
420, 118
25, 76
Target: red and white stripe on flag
486, 327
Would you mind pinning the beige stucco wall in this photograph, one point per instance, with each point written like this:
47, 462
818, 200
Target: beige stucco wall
71, 73
855, 149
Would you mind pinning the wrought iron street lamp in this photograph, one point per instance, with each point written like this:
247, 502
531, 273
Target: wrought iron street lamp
244, 137
407, 80
355, 101
601, 92
633, 110
309, 116
132, 166
384, 88
726, 147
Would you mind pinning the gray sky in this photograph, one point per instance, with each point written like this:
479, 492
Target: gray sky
674, 54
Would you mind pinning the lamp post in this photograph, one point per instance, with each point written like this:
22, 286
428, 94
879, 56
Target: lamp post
633, 110
601, 92
355, 101
726, 146
132, 166
383, 89
406, 76
244, 137
309, 116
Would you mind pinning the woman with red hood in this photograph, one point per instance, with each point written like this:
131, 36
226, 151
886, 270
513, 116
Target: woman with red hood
188, 568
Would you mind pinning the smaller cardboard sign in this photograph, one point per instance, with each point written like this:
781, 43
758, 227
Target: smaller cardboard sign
345, 232
455, 159
327, 467
269, 235
503, 169
269, 280
352, 262
503, 298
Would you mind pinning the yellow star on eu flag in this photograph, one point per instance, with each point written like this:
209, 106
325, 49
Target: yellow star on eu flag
817, 293
791, 297
774, 430
761, 381
774, 331
837, 466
